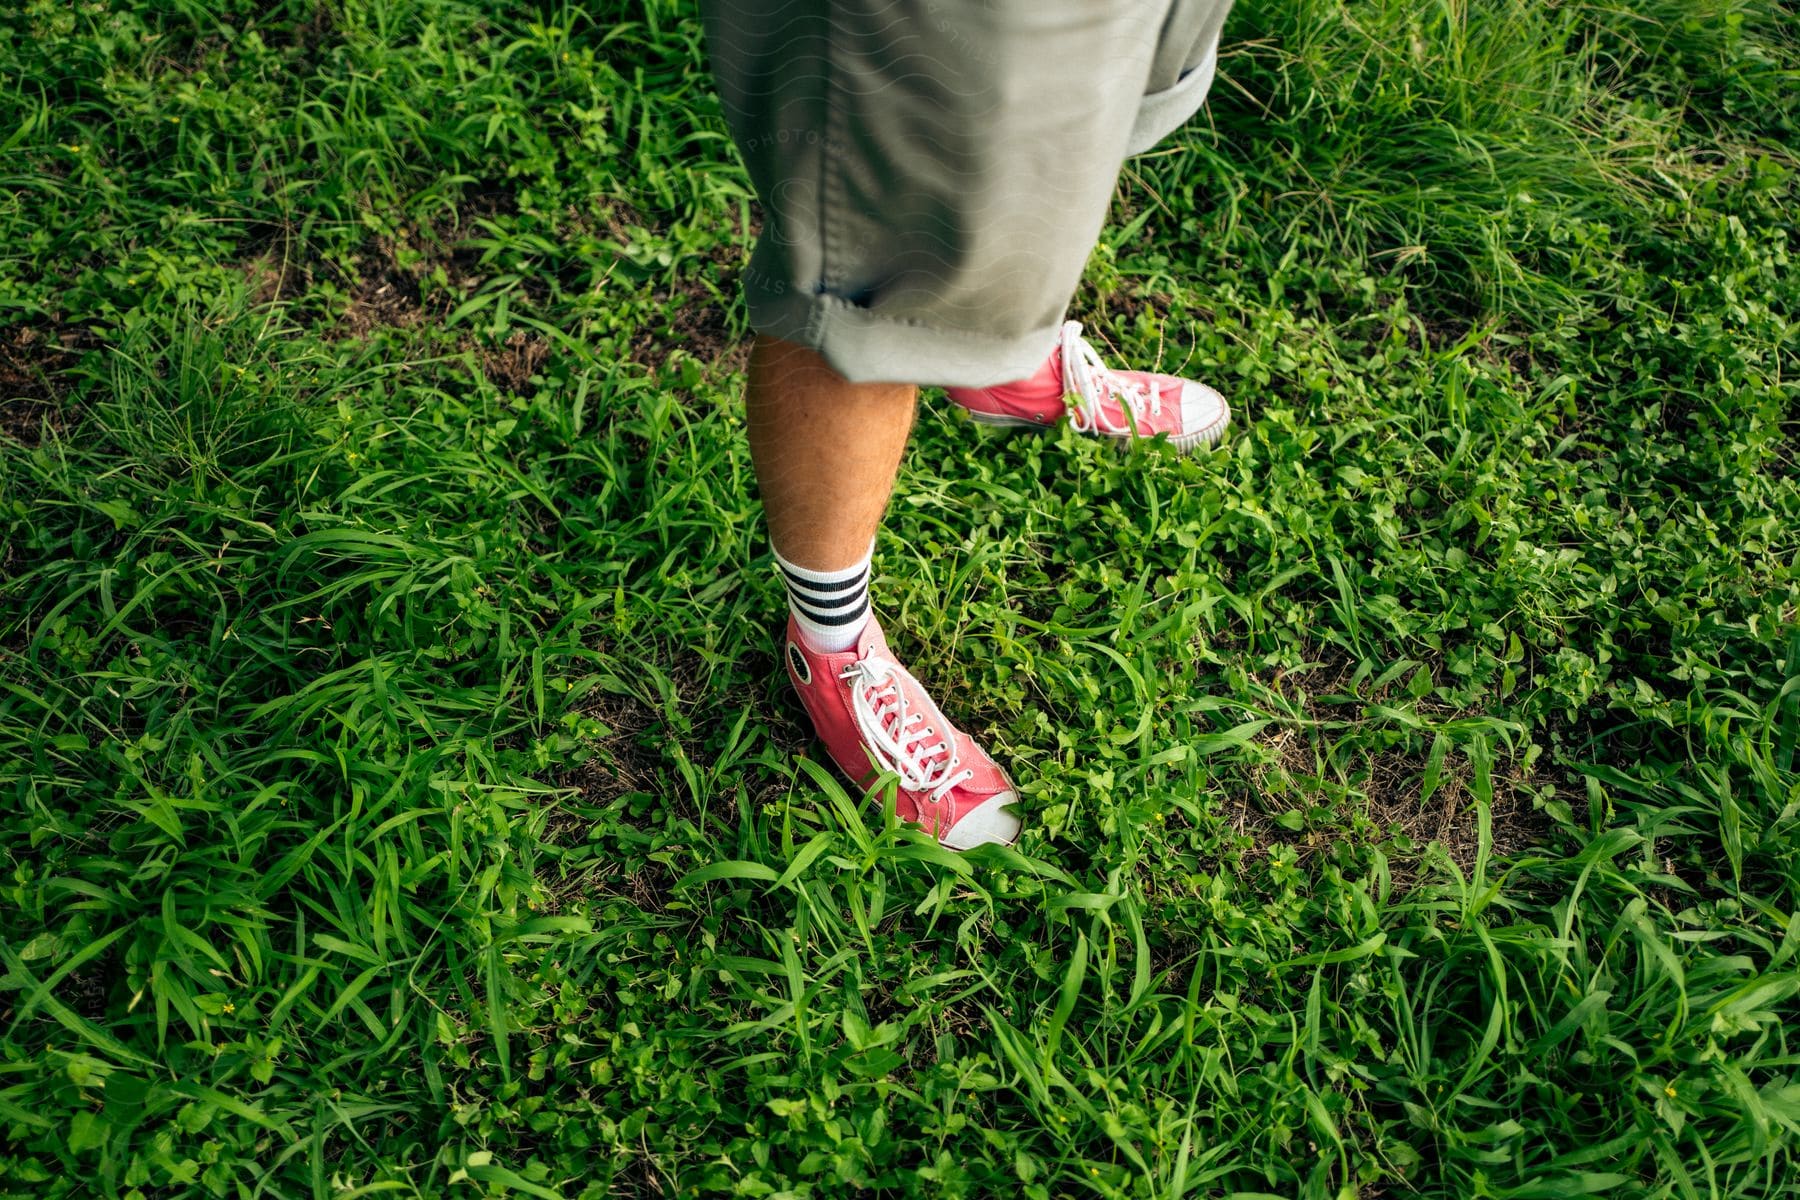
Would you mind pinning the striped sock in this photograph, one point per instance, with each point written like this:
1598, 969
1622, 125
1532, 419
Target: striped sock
830, 607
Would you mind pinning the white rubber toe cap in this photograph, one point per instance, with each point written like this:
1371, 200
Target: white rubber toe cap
989, 822
1204, 415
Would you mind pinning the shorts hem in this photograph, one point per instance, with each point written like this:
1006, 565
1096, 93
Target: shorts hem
1162, 113
865, 347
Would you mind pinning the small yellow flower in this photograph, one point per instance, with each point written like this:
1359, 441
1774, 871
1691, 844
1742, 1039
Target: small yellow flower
229, 1008
1669, 1090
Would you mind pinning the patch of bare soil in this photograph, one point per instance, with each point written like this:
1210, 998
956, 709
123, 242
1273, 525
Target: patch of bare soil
696, 303
625, 760
308, 34
1390, 782
273, 278
696, 306
621, 763
387, 290
387, 287
33, 359
383, 284
385, 294
390, 286
512, 364
1119, 308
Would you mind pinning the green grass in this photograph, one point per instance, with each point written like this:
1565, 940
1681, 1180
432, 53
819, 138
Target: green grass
401, 797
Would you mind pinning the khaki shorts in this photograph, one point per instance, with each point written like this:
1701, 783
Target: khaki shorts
934, 173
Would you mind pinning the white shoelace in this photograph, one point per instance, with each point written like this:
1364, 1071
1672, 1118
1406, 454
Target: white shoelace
1091, 382
896, 734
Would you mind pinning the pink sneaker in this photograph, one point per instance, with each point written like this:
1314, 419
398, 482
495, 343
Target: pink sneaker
873, 716
1098, 399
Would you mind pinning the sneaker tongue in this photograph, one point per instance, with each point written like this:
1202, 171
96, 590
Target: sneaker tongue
1049, 375
1115, 383
922, 732
1118, 383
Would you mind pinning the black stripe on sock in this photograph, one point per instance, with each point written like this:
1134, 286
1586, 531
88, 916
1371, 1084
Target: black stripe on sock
844, 618
826, 589
800, 603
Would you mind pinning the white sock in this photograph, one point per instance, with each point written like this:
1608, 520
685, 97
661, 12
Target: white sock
830, 607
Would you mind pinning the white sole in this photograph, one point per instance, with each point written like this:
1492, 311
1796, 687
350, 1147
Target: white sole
1189, 442
1186, 443
1001, 422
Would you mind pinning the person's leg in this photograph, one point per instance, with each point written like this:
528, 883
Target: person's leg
931, 188
826, 452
